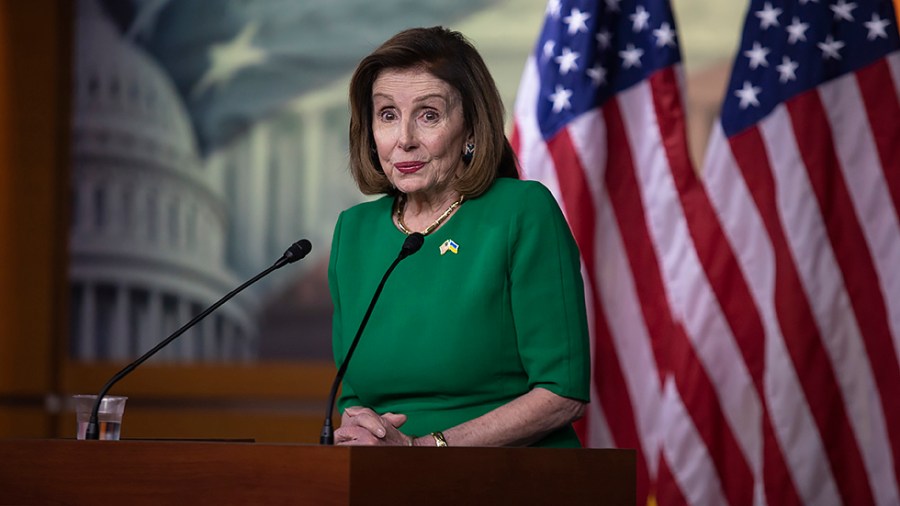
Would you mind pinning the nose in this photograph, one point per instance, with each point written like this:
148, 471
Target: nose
407, 139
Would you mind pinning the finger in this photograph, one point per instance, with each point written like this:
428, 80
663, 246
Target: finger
350, 414
357, 410
355, 414
395, 419
348, 433
347, 419
369, 421
355, 436
341, 435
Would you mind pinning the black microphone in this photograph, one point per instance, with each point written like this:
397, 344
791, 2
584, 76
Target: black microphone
412, 244
295, 252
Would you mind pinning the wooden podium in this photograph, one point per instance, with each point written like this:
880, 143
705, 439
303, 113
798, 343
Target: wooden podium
175, 472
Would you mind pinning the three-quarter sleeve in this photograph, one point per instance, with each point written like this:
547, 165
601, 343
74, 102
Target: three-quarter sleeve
547, 296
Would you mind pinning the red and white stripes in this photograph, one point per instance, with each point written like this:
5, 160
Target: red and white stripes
807, 193
745, 328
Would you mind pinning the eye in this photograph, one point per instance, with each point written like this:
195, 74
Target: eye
430, 116
387, 115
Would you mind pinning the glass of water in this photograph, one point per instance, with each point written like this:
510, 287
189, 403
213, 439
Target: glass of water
112, 407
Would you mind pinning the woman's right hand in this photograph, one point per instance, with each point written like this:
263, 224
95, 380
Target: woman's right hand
363, 426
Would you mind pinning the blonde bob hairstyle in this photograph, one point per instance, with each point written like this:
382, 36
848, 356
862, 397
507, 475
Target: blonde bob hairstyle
447, 55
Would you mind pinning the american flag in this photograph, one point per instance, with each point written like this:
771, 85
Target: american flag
744, 334
599, 120
804, 174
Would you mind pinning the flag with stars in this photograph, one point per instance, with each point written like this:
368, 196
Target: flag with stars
745, 328
803, 170
599, 119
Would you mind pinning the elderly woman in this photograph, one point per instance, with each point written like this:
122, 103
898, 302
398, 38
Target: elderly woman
480, 338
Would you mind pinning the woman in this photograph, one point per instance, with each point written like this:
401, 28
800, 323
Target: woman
480, 338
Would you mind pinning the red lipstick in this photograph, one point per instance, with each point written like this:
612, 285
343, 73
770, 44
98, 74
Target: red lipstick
408, 167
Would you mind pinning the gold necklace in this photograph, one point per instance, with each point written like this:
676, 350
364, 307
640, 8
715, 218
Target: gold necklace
401, 204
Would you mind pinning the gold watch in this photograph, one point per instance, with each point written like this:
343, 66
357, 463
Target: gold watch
439, 440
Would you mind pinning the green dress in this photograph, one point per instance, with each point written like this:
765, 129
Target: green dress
458, 334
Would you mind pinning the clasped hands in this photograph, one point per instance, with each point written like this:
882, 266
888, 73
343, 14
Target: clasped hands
364, 427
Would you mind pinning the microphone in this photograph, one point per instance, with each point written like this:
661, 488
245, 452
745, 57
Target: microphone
295, 252
412, 244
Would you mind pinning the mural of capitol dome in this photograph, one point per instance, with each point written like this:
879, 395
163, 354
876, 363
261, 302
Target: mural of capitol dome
149, 221
200, 151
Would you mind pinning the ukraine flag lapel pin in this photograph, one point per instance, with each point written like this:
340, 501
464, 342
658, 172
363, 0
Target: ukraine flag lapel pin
450, 246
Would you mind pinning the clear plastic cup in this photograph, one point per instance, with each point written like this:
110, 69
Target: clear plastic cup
112, 407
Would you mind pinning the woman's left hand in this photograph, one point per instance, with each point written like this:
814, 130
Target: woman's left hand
362, 426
